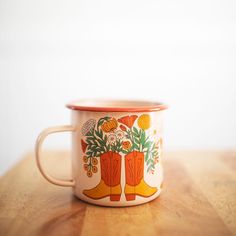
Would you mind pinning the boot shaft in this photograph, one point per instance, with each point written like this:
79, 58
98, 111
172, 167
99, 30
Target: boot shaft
134, 167
110, 168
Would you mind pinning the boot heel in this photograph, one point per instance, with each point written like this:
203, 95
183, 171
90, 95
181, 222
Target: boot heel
115, 197
130, 197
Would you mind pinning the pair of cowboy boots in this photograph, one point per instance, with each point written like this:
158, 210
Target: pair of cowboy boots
111, 175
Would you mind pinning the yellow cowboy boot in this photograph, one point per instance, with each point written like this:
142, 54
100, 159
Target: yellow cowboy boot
135, 184
109, 184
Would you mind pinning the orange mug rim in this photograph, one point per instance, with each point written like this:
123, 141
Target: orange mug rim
113, 105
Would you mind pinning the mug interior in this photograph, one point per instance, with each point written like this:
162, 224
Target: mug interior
116, 105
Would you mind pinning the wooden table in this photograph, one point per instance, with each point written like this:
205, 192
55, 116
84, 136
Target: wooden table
199, 198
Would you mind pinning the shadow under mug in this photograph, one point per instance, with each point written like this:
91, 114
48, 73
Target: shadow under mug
116, 151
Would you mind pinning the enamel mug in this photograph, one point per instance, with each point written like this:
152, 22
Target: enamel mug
116, 151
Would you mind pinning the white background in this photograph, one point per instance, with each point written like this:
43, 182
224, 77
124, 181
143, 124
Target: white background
181, 52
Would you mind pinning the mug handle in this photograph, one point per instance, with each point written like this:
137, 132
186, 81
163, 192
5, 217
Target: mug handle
38, 147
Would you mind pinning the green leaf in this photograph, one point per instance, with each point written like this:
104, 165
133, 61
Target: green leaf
135, 146
124, 151
97, 133
101, 142
146, 156
135, 131
101, 134
96, 142
89, 141
105, 138
136, 140
89, 153
136, 135
150, 161
148, 145
90, 138
100, 122
92, 149
154, 147
107, 118
150, 168
143, 138
155, 153
90, 133
140, 132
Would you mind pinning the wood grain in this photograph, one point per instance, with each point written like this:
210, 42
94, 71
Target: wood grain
199, 198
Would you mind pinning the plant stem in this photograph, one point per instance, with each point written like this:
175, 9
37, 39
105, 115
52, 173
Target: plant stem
132, 137
90, 163
140, 144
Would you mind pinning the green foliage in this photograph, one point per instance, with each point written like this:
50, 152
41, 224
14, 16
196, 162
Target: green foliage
141, 142
97, 143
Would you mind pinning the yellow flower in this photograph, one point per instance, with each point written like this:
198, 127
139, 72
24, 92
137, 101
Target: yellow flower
144, 121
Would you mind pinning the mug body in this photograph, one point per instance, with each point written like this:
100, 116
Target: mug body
116, 155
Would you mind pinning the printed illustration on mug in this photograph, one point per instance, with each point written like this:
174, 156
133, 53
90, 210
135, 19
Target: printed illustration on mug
108, 140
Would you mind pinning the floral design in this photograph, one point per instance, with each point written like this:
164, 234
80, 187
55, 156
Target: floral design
128, 120
144, 121
109, 125
122, 127
90, 167
112, 139
119, 136
126, 145
109, 138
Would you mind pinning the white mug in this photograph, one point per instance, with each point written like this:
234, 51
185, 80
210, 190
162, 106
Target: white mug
116, 151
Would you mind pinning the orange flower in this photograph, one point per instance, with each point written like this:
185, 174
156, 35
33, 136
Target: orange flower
110, 125
83, 145
122, 127
128, 120
94, 169
89, 173
85, 159
94, 161
126, 145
